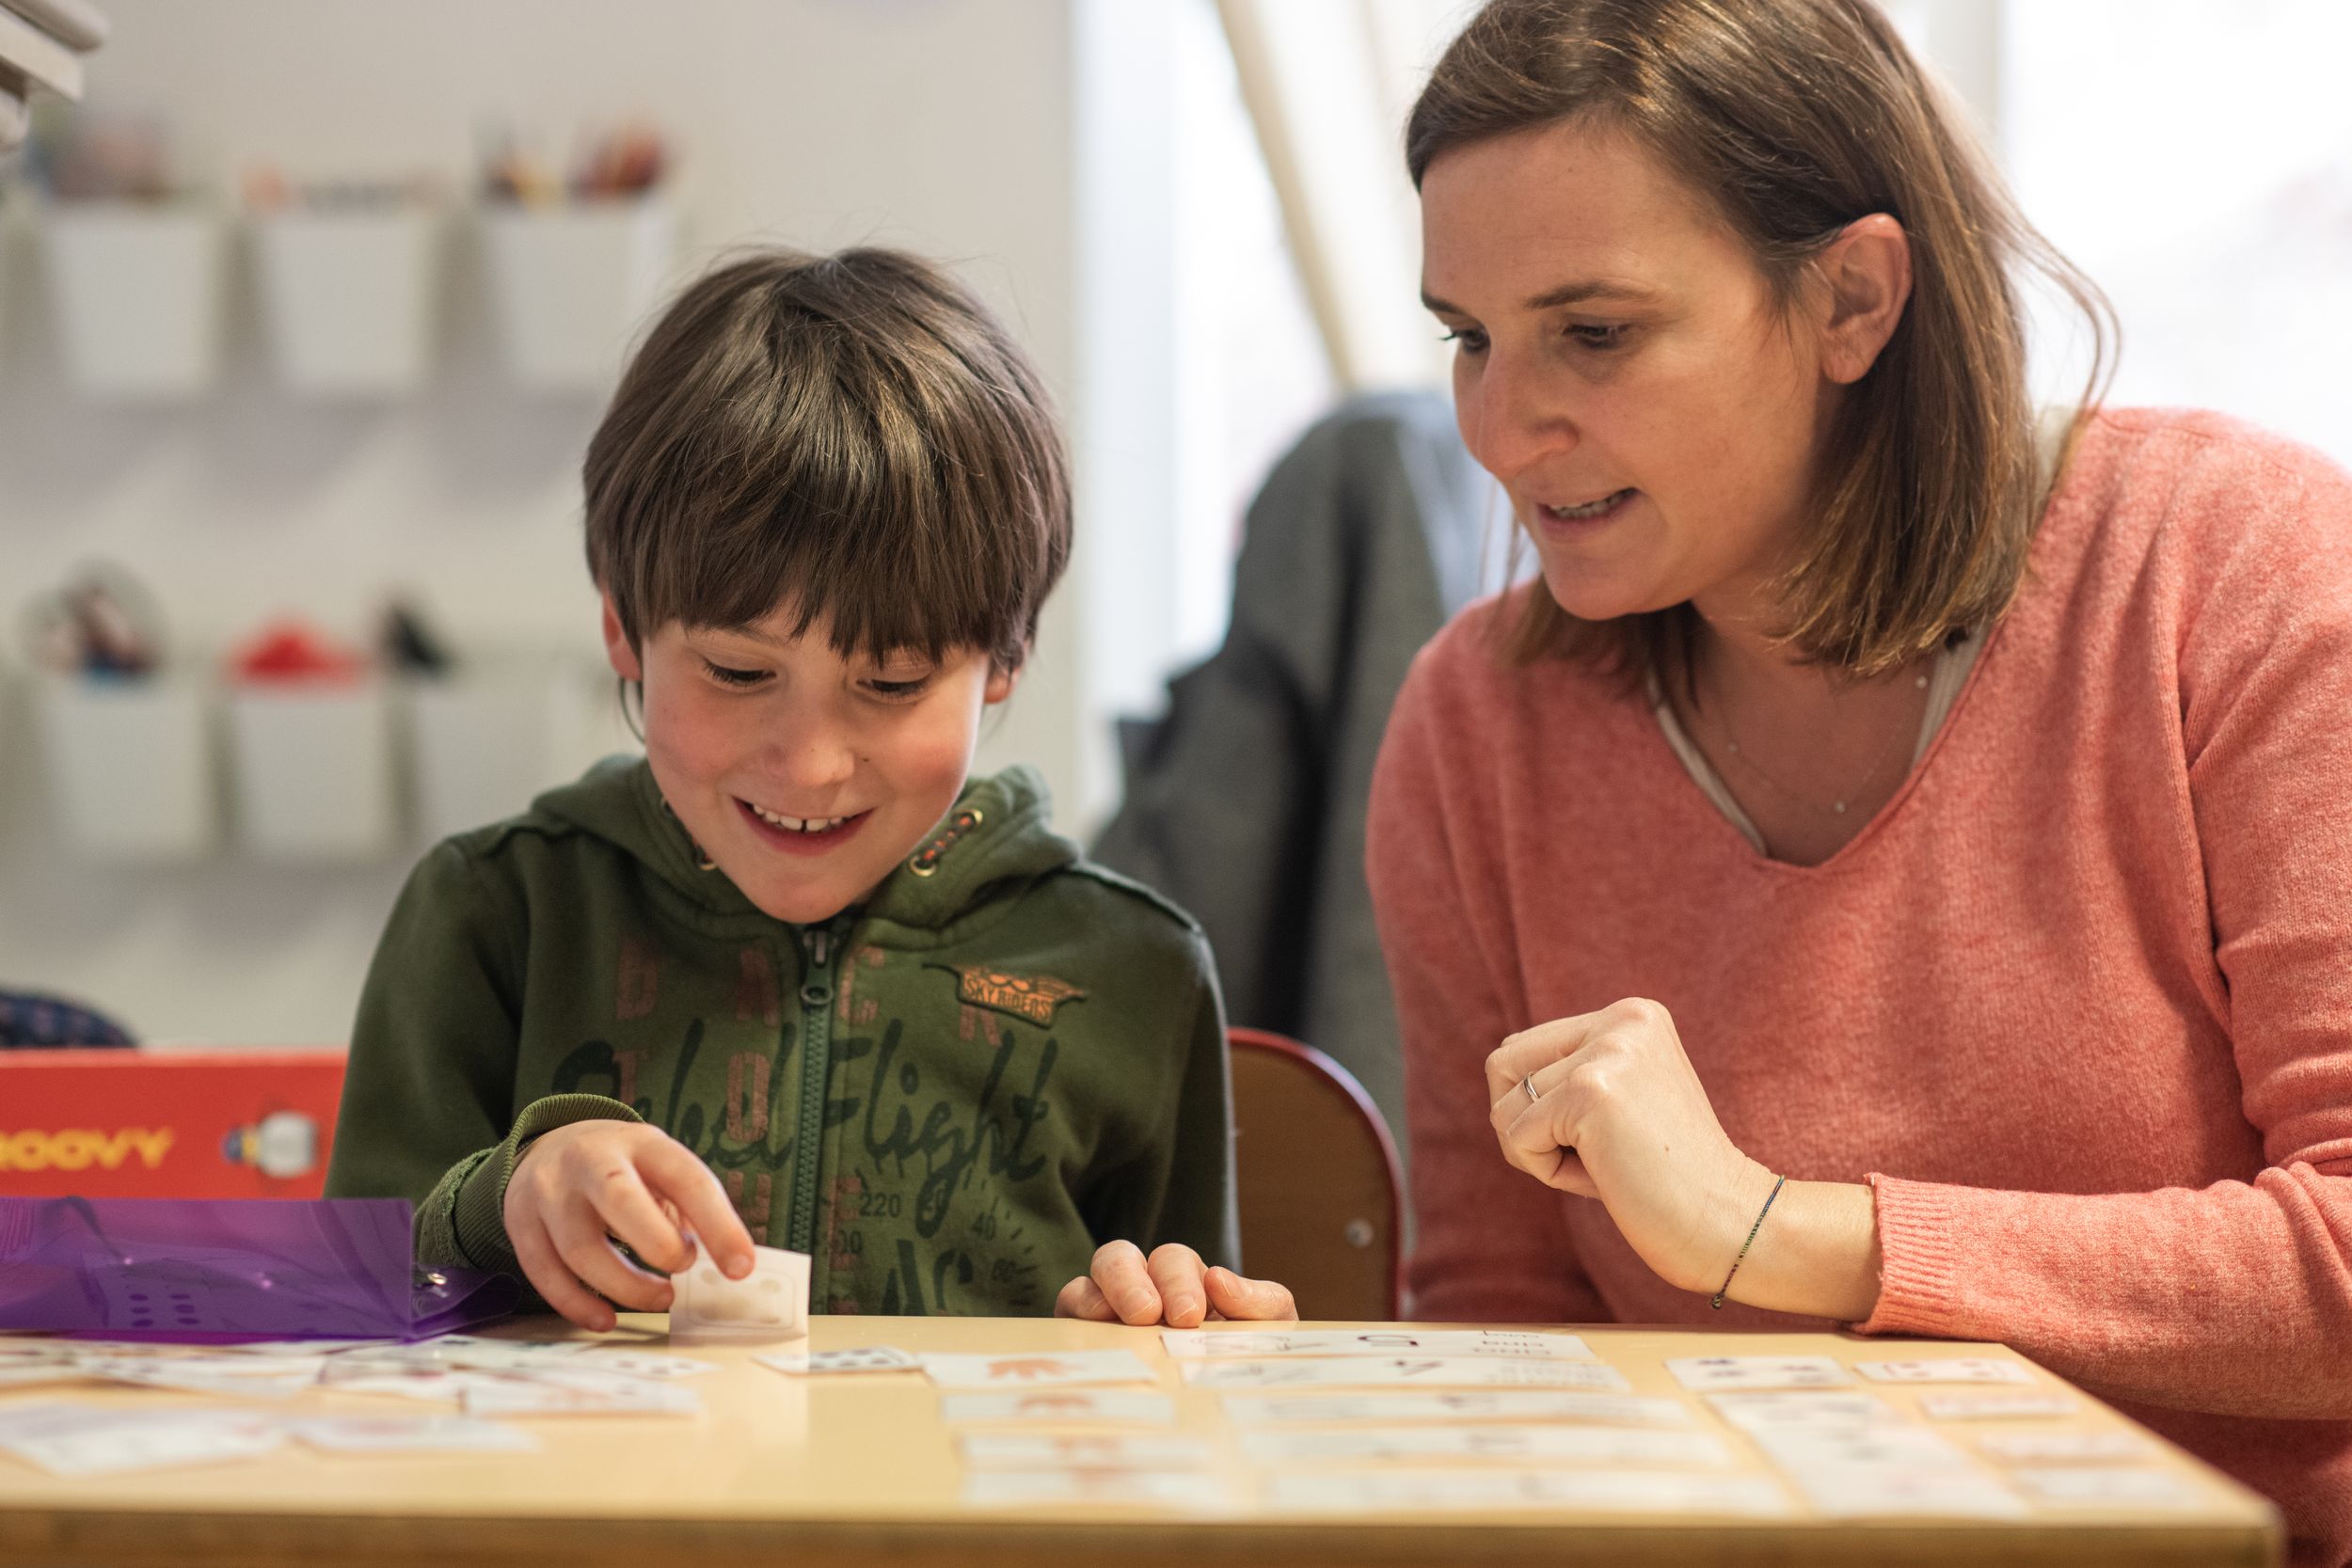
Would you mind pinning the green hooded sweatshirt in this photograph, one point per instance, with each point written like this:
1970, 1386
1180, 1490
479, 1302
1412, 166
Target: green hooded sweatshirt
947, 1097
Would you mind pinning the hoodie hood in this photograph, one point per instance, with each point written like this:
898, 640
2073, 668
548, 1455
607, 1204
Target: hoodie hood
993, 843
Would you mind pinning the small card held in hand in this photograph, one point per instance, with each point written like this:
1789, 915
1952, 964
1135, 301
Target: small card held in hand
769, 1302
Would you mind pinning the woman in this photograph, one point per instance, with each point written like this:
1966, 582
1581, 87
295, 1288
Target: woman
1874, 795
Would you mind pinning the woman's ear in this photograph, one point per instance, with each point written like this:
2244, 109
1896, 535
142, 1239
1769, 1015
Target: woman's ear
618, 651
1866, 275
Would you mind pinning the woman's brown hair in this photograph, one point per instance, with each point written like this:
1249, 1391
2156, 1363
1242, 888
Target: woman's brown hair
1796, 118
853, 431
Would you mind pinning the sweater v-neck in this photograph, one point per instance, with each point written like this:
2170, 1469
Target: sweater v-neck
1954, 665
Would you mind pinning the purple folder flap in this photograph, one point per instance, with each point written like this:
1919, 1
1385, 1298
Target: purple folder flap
228, 1268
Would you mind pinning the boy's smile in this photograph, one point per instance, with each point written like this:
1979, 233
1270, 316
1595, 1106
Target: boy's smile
804, 775
797, 836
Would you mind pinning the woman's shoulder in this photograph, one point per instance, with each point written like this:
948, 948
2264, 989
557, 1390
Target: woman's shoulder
2168, 501
1467, 670
2189, 469
1471, 720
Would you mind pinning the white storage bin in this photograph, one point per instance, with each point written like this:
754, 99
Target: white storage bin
350, 297
313, 769
573, 284
481, 744
138, 293
130, 766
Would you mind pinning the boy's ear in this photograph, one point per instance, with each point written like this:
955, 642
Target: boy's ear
617, 651
1000, 682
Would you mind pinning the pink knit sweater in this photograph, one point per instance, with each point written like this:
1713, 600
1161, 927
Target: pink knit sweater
2077, 1003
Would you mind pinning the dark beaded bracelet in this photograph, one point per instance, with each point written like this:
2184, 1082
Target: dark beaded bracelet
1778, 1182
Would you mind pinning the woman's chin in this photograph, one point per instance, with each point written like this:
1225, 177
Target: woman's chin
1587, 600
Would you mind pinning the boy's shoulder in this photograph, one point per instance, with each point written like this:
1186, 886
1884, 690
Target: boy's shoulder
1011, 877
559, 825
1089, 883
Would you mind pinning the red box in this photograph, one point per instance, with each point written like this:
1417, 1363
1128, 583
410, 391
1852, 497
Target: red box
168, 1123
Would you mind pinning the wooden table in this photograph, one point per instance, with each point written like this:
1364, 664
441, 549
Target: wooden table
860, 1471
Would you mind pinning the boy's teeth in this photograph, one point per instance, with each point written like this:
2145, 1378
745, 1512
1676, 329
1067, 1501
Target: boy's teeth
797, 824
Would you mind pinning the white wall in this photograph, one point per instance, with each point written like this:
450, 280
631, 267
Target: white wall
945, 125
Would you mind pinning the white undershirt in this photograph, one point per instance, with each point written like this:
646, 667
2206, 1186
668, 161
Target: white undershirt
1951, 671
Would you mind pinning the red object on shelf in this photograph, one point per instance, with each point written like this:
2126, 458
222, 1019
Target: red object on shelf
295, 651
245, 1123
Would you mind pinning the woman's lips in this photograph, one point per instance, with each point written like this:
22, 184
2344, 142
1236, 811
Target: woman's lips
1579, 522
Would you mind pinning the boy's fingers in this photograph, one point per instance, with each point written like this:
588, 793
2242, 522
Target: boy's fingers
1175, 1270
673, 1172
1118, 1270
553, 1280
1261, 1300
1083, 1298
631, 1211
580, 1239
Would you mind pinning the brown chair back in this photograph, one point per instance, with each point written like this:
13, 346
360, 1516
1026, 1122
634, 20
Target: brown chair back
1321, 1200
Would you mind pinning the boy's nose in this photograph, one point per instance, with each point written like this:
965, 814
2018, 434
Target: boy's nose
812, 758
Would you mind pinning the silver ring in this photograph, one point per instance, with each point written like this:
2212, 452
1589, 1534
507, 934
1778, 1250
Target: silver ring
1528, 1083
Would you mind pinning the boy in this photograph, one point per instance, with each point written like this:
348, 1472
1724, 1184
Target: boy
791, 977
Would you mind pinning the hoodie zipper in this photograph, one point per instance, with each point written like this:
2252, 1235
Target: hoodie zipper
816, 981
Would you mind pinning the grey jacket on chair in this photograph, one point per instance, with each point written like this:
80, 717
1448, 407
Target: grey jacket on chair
1246, 803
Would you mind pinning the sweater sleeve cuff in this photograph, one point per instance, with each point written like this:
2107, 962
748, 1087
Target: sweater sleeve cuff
478, 1216
1918, 1289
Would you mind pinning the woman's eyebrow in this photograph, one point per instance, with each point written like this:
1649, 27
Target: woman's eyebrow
1567, 294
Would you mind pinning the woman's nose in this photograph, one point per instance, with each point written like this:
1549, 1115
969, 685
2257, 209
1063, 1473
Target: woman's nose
1511, 420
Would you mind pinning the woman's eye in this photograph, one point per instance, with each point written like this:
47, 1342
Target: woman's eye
725, 676
1468, 339
1600, 336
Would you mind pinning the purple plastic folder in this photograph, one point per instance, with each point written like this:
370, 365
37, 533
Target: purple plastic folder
226, 1269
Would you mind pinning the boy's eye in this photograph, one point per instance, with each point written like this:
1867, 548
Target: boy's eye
899, 690
725, 676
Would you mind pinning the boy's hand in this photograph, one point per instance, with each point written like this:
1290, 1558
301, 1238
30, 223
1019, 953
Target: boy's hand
1170, 1287
580, 1186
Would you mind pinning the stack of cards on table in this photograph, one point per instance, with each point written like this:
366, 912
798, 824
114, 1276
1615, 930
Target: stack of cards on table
1853, 1455
486, 1377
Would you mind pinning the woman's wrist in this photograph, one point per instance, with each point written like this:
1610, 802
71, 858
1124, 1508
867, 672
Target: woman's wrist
1816, 1254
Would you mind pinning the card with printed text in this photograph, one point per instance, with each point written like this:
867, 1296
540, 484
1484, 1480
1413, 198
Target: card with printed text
1723, 1373
1191, 1491
1063, 1406
1951, 1368
1044, 1452
2063, 1448
1369, 1372
1194, 1344
1503, 1491
2126, 1485
1038, 1370
866, 1358
1527, 1444
1463, 1404
1993, 1408
408, 1435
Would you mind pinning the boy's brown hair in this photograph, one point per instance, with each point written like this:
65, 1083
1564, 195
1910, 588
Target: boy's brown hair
1794, 118
854, 433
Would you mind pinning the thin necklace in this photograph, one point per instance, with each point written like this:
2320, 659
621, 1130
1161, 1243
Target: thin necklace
1836, 807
